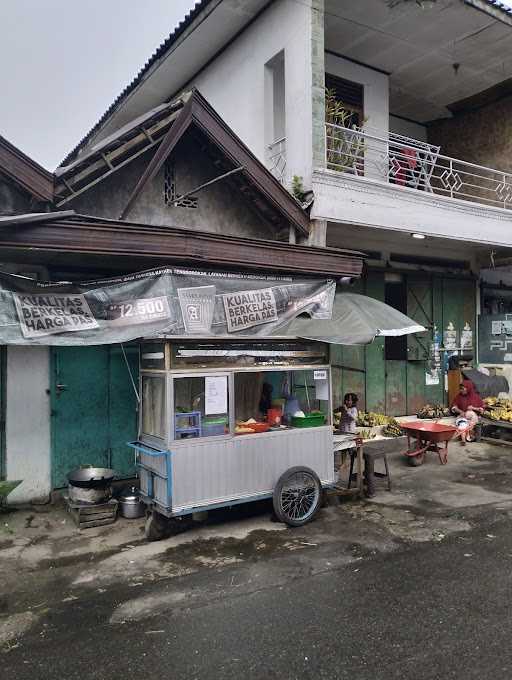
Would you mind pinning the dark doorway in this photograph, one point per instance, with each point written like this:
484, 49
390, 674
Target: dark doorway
395, 349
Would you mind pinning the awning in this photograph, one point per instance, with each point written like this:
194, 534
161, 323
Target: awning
190, 303
356, 320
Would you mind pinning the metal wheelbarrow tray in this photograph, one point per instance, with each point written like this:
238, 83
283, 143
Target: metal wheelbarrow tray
427, 436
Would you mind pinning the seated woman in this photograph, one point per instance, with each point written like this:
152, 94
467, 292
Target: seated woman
467, 405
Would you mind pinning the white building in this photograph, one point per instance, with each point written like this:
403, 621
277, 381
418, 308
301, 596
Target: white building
409, 76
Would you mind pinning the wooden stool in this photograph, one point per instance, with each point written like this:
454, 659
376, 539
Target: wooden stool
370, 475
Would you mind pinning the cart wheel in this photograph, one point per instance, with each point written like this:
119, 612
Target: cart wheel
297, 496
416, 461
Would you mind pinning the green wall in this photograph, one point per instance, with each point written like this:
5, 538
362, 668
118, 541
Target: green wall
398, 387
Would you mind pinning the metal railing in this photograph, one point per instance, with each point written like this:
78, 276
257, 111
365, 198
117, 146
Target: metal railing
408, 162
276, 159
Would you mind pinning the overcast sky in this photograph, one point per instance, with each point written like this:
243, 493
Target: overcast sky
62, 63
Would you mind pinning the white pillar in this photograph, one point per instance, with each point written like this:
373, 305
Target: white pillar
317, 234
27, 427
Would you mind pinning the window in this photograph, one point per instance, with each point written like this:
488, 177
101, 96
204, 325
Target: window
275, 116
201, 406
152, 356
350, 94
153, 406
244, 354
282, 398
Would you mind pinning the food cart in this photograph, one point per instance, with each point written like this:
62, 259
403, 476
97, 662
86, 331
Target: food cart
207, 438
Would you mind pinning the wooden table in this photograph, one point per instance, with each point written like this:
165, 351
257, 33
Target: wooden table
343, 442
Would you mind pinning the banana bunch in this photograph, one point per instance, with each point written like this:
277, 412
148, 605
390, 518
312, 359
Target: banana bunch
393, 429
433, 411
493, 402
371, 419
367, 434
499, 414
498, 409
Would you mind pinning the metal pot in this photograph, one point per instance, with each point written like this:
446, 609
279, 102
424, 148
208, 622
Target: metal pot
130, 504
91, 477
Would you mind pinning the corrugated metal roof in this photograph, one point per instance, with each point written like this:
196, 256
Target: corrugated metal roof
31, 218
159, 52
500, 5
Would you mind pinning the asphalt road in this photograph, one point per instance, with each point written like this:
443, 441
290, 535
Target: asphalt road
427, 611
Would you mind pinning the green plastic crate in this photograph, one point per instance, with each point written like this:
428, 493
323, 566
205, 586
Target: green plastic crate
314, 420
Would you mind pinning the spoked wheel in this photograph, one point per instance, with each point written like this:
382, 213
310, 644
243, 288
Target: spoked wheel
297, 496
416, 461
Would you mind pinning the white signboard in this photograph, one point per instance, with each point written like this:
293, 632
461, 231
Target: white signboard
197, 307
249, 308
432, 378
215, 395
46, 314
322, 390
496, 327
466, 339
320, 375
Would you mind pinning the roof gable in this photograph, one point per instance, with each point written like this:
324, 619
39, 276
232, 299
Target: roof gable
25, 172
163, 128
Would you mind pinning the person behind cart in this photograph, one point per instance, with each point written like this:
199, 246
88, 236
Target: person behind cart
349, 413
266, 398
467, 406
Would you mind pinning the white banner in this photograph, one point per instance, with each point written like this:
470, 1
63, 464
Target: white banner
249, 308
46, 314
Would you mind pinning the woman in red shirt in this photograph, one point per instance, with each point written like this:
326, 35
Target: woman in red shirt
467, 405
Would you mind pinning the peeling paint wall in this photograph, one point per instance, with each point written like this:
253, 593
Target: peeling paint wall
221, 208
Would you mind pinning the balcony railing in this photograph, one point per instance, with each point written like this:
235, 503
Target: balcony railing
408, 162
276, 159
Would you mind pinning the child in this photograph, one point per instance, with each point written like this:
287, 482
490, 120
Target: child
348, 411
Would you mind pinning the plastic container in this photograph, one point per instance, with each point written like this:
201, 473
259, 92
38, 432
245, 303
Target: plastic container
258, 427
290, 407
312, 420
214, 427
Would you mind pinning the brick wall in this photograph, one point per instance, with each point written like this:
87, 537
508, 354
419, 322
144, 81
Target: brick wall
483, 136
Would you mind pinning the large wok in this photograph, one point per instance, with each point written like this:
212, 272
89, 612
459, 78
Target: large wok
91, 477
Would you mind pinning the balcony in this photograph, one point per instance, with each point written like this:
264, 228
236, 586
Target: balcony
276, 159
394, 182
407, 162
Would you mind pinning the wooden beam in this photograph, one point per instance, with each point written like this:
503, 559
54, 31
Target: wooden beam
210, 124
69, 178
167, 144
179, 246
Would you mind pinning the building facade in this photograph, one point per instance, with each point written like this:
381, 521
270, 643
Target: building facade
386, 115
199, 199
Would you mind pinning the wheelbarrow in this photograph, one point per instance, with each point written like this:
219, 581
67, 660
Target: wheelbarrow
427, 437
5, 490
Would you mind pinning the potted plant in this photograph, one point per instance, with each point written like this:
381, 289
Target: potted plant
345, 145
